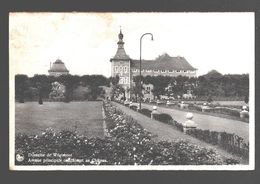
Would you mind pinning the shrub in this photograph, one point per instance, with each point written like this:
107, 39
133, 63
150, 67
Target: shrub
209, 99
194, 107
226, 111
229, 142
246, 99
177, 125
145, 112
133, 107
166, 118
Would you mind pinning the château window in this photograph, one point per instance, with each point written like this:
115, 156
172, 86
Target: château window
163, 71
115, 68
178, 71
184, 71
121, 80
156, 71
170, 71
125, 69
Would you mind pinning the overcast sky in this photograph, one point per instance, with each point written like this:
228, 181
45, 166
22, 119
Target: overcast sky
86, 41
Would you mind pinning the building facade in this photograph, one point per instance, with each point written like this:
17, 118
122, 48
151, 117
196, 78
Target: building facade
126, 68
58, 68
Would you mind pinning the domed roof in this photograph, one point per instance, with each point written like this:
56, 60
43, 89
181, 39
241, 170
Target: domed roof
58, 66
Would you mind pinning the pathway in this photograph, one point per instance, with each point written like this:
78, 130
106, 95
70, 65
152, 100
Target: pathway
207, 122
169, 133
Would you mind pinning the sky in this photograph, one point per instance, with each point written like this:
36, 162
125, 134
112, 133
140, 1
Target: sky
85, 42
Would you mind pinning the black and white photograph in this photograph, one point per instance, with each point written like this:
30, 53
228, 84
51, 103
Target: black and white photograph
131, 91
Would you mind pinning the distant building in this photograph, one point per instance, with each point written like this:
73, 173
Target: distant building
126, 68
58, 68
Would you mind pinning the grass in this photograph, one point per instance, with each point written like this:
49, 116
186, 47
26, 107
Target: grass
84, 117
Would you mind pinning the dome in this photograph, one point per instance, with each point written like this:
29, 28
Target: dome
58, 66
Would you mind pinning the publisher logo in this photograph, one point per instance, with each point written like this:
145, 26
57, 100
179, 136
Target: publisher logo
19, 157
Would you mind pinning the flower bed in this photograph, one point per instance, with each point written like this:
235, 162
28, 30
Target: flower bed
128, 144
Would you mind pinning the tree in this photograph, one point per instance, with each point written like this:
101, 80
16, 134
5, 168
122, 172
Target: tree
70, 82
95, 92
21, 85
43, 85
246, 99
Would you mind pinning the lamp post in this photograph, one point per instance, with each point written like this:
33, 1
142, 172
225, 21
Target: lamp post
140, 101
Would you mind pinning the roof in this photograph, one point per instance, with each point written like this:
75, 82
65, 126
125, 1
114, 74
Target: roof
58, 66
164, 62
121, 55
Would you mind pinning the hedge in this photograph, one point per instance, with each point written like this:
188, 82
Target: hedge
230, 142
226, 111
227, 141
133, 107
165, 118
145, 112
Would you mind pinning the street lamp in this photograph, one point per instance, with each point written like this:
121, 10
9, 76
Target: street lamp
140, 101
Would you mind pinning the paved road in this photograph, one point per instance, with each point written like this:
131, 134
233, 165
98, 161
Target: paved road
207, 122
167, 132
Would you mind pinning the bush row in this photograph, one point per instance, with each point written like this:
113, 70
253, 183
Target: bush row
227, 141
230, 142
225, 111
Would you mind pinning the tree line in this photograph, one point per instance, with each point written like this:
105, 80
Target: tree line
202, 86
40, 86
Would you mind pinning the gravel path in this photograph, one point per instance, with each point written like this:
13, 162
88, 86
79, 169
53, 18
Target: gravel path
167, 132
207, 122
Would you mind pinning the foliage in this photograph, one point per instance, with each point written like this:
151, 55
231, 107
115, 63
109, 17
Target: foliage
21, 85
42, 84
229, 142
214, 84
28, 88
166, 118
95, 91
223, 110
145, 112
246, 100
133, 107
57, 92
209, 100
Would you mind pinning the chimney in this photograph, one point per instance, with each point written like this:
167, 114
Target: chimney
50, 65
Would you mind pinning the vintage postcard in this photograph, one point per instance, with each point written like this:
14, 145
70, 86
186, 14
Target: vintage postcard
132, 91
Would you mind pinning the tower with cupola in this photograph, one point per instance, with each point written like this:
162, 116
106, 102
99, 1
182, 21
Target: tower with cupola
120, 65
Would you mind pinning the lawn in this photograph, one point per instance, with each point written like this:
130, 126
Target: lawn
85, 117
